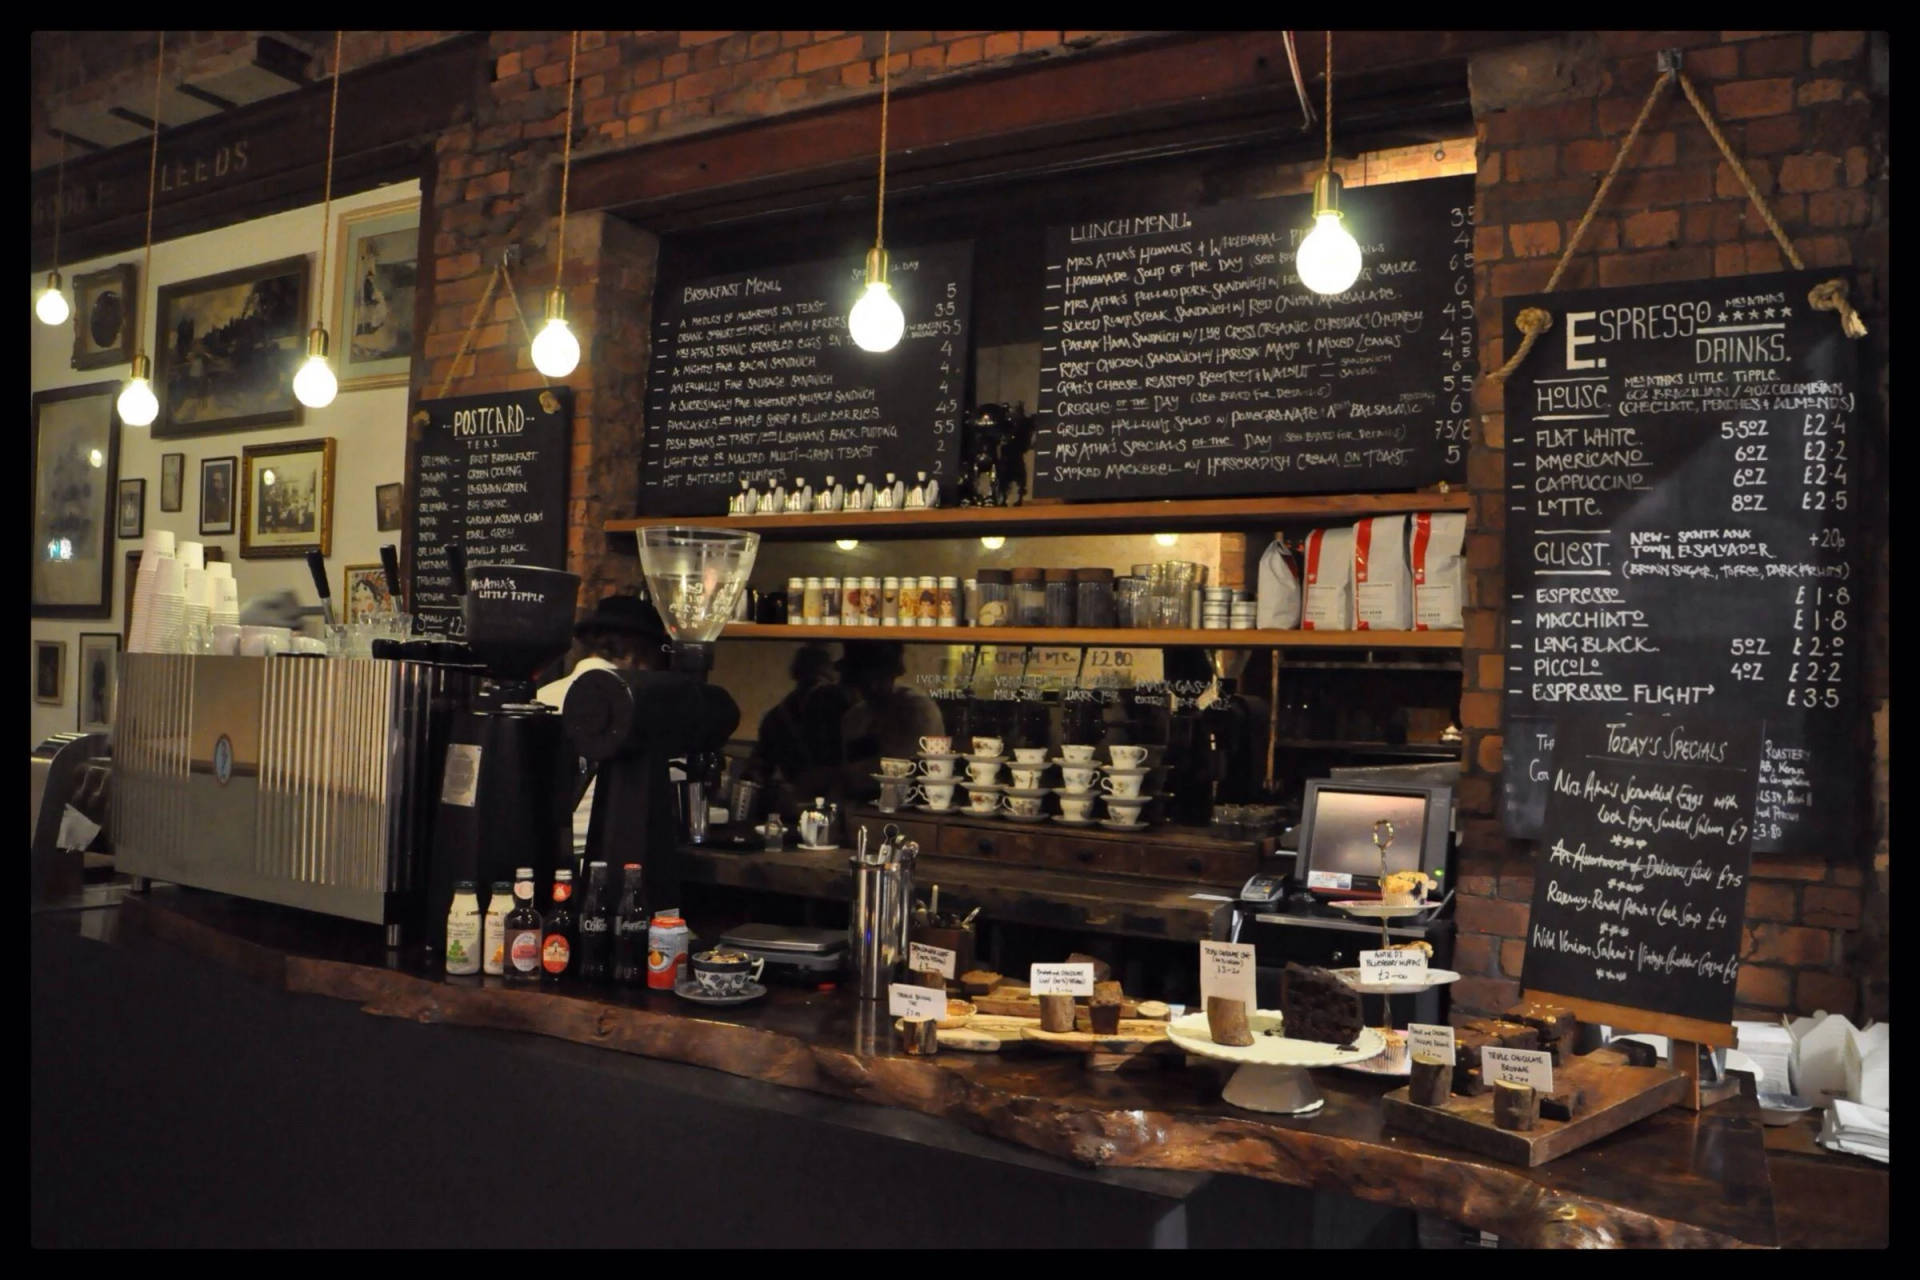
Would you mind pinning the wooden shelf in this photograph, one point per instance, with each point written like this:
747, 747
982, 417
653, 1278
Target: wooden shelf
1422, 750
1105, 637
1064, 517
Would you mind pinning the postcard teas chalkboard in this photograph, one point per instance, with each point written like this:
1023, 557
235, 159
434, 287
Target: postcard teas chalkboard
755, 378
1182, 357
1640, 881
490, 473
1683, 529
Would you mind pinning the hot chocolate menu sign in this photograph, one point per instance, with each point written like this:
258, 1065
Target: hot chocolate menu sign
1182, 357
1640, 881
1683, 534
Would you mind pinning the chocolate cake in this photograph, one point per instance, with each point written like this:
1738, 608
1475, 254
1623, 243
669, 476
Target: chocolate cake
1315, 1005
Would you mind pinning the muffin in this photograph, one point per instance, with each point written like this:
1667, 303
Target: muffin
1405, 888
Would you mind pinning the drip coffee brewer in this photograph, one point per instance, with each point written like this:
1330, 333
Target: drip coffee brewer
507, 787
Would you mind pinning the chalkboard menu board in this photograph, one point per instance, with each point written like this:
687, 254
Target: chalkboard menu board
1641, 882
1682, 529
1182, 357
489, 473
755, 378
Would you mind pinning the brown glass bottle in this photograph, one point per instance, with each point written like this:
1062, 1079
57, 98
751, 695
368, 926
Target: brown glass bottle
560, 937
523, 930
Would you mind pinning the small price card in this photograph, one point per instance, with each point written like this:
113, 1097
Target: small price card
1393, 966
1061, 979
915, 1002
1517, 1066
1426, 1040
1226, 970
921, 956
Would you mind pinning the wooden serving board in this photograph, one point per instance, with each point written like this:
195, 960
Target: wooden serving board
1137, 1036
1617, 1096
1026, 1005
969, 1040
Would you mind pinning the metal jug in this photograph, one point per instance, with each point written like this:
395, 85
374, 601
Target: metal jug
881, 910
817, 823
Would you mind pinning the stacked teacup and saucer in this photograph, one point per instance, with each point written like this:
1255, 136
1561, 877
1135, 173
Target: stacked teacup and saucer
939, 780
1079, 787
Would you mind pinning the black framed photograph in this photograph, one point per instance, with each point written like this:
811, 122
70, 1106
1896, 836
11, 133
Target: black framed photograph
49, 672
226, 348
216, 494
173, 471
376, 256
131, 522
286, 499
75, 461
389, 502
103, 316
99, 680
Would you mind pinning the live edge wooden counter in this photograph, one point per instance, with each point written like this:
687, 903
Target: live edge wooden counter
1675, 1180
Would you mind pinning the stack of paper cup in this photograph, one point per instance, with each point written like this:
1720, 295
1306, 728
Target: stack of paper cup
157, 546
192, 554
224, 608
167, 611
199, 597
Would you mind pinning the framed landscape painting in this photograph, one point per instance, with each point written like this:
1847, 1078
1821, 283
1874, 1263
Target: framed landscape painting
377, 254
74, 458
226, 348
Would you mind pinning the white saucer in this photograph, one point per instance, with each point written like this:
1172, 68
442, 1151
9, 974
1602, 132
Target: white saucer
691, 991
1065, 821
1117, 771
1115, 825
1011, 816
1143, 797
1075, 764
1095, 792
819, 848
929, 755
985, 759
1028, 793
1379, 1067
984, 786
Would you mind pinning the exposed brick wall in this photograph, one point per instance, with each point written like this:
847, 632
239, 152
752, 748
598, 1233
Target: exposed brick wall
1795, 106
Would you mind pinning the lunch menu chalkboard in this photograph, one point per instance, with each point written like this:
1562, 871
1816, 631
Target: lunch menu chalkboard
489, 473
1182, 357
755, 378
1641, 883
1683, 532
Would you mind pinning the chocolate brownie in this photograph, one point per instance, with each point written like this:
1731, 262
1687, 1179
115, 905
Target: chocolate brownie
1315, 1005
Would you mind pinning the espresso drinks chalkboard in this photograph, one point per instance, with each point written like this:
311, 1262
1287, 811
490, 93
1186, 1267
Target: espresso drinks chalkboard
1683, 531
1640, 880
755, 378
1182, 357
488, 473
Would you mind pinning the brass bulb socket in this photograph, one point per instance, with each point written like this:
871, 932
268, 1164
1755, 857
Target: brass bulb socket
876, 265
1326, 194
142, 367
556, 304
53, 281
317, 341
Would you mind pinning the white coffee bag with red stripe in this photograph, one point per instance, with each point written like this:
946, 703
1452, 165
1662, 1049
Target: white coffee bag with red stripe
1327, 586
1277, 594
1382, 584
1439, 570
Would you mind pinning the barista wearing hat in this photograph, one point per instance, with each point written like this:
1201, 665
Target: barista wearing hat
886, 720
622, 631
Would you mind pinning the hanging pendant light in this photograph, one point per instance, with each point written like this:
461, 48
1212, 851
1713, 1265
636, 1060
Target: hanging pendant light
1328, 260
556, 352
138, 406
51, 305
315, 384
876, 322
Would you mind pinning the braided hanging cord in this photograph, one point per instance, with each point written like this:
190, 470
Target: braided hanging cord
500, 273
1829, 295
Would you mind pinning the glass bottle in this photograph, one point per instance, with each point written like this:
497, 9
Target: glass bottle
630, 925
560, 933
463, 929
596, 925
493, 942
523, 930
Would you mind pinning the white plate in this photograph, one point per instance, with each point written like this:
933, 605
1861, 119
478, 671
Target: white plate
819, 848
1028, 793
1435, 978
1380, 910
1011, 816
925, 755
1112, 824
1190, 1033
1782, 1108
691, 991
1378, 1067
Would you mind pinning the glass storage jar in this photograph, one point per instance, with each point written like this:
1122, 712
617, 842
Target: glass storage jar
1093, 597
1059, 595
995, 589
1029, 597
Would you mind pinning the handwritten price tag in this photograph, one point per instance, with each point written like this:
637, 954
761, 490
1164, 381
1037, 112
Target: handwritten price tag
1060, 979
915, 1002
1517, 1066
1430, 1041
921, 956
1226, 970
1393, 966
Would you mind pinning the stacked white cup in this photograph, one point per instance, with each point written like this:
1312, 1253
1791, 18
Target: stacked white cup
156, 546
167, 611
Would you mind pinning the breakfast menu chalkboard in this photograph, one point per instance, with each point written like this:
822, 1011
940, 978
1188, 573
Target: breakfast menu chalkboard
489, 473
1683, 529
1639, 889
1182, 357
755, 378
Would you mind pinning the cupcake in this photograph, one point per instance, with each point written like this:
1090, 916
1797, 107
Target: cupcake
1405, 888
1395, 1058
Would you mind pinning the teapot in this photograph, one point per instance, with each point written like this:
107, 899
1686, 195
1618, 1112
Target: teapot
818, 822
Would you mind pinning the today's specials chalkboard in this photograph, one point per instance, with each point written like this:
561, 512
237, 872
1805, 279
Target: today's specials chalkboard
755, 378
1683, 531
490, 473
1182, 357
1640, 889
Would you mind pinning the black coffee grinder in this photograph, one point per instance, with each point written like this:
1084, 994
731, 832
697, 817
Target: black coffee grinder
507, 790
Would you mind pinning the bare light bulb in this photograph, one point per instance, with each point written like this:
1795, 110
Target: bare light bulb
556, 352
876, 322
846, 544
315, 386
138, 406
51, 306
1166, 539
1328, 260
96, 459
993, 542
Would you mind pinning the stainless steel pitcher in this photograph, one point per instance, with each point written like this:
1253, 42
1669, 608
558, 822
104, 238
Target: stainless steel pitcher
882, 904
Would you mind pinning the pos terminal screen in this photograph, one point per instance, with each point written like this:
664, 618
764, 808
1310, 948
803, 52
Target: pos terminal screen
1342, 834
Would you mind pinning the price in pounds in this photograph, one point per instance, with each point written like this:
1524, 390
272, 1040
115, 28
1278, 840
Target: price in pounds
1826, 699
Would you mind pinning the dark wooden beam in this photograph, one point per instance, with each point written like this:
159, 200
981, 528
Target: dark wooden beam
207, 96
131, 117
284, 60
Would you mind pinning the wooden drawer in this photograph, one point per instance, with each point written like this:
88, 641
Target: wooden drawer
1028, 848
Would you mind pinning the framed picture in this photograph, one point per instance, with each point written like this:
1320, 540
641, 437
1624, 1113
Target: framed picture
376, 252
173, 471
50, 672
131, 522
226, 348
103, 316
75, 461
99, 680
365, 591
212, 554
216, 494
286, 499
389, 501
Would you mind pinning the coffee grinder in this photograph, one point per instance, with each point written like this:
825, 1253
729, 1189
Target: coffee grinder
507, 790
631, 723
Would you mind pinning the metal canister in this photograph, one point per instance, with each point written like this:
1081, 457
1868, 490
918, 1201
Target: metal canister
889, 600
947, 602
870, 602
927, 602
796, 600
830, 602
853, 605
810, 602
666, 949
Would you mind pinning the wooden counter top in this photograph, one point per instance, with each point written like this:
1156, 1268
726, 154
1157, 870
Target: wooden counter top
1675, 1180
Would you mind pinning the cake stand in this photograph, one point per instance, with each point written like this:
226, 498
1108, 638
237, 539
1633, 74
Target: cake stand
1272, 1074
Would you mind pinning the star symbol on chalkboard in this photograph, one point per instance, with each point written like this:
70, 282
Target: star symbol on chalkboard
1720, 318
1785, 311
1772, 312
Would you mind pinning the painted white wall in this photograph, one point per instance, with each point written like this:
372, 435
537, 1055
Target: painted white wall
369, 428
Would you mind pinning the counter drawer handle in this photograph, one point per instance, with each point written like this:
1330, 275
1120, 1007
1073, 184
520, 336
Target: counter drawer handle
1195, 865
1085, 855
